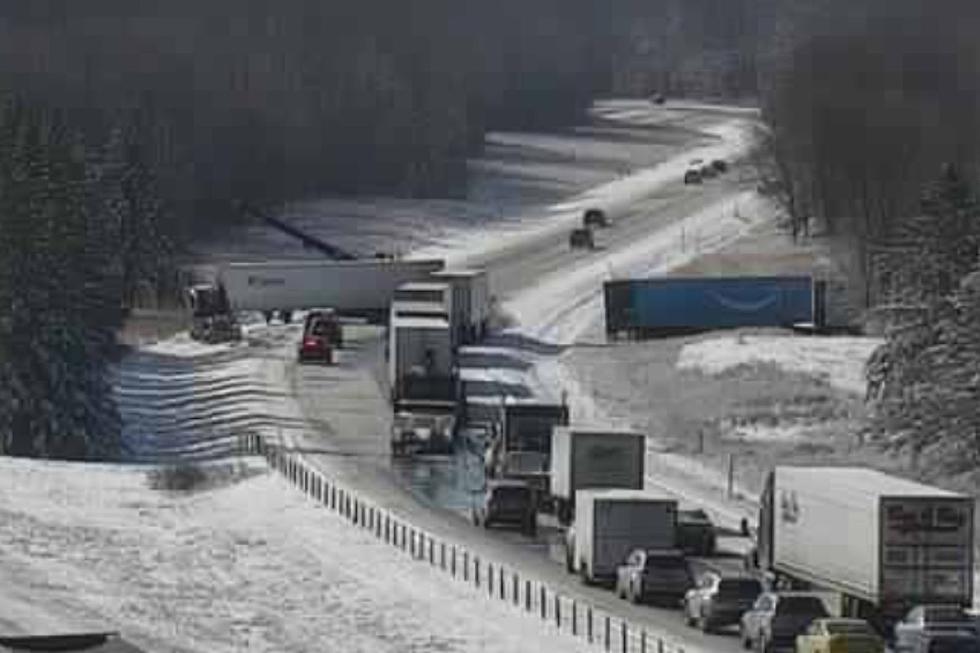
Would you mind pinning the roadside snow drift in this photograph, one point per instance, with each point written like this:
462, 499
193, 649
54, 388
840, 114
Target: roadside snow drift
838, 360
252, 565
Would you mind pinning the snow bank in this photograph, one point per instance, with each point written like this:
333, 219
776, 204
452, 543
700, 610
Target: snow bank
250, 566
838, 360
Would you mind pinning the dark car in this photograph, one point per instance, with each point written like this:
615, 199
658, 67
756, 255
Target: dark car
581, 239
923, 621
776, 619
692, 176
658, 98
719, 600
595, 218
956, 641
719, 165
708, 171
695, 532
508, 502
659, 575
316, 344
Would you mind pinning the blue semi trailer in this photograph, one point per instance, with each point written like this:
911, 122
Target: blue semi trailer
668, 305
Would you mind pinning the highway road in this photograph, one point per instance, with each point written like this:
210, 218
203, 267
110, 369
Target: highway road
347, 416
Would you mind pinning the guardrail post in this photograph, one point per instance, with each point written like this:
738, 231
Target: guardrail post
432, 552
452, 563
544, 603
442, 556
574, 618
608, 629
588, 624
527, 595
558, 611
466, 565
643, 641
476, 570
660, 645
501, 584
623, 634
490, 579
517, 599
387, 529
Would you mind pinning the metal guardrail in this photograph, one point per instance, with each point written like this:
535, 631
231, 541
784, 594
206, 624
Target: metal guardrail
564, 614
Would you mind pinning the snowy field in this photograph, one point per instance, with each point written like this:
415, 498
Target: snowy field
249, 565
838, 360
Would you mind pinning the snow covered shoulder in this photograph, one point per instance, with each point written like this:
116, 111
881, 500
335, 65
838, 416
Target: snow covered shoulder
247, 564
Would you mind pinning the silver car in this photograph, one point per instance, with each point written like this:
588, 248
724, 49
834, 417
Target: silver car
924, 620
777, 618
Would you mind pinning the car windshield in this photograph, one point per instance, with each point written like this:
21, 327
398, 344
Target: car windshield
848, 628
740, 587
946, 614
319, 328
665, 562
693, 517
800, 605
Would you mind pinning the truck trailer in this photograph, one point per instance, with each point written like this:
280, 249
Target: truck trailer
471, 302
661, 306
593, 457
884, 543
609, 524
360, 287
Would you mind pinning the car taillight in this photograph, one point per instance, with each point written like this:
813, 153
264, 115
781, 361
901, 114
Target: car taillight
310, 342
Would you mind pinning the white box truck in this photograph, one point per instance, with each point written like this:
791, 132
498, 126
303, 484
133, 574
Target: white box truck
360, 287
471, 301
884, 543
609, 524
590, 457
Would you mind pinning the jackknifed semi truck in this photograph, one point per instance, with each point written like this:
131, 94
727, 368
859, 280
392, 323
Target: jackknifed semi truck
884, 543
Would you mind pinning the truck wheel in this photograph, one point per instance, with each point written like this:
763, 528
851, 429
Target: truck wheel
635, 594
688, 618
583, 572
704, 624
569, 562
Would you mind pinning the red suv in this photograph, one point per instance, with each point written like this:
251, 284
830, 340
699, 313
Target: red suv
319, 338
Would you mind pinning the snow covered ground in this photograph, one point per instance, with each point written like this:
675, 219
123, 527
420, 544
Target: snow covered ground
248, 565
838, 360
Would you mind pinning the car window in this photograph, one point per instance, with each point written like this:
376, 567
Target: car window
849, 628
665, 562
802, 605
945, 614
740, 587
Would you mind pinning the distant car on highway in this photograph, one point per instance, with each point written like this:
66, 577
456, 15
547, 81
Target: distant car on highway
581, 239
719, 600
657, 575
595, 218
692, 176
658, 98
708, 171
508, 502
924, 620
845, 635
719, 165
695, 532
776, 619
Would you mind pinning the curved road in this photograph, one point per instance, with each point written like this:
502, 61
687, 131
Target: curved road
348, 417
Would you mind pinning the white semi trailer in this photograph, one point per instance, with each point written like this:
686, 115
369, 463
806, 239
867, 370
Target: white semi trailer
884, 543
359, 287
609, 524
592, 457
470, 303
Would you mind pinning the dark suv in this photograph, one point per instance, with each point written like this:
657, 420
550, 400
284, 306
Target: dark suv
719, 600
776, 619
509, 502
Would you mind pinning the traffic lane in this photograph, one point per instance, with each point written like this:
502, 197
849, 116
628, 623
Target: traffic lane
522, 265
342, 448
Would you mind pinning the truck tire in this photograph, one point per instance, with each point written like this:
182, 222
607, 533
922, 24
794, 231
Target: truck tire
583, 572
569, 561
744, 636
688, 617
286, 316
